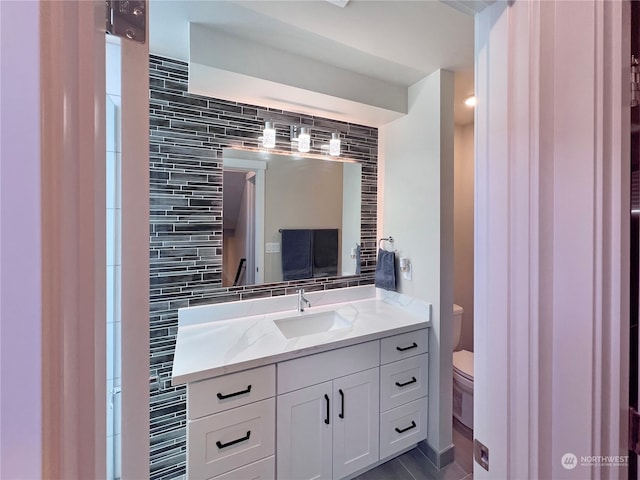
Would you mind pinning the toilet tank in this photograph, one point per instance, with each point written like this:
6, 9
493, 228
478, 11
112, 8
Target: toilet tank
457, 325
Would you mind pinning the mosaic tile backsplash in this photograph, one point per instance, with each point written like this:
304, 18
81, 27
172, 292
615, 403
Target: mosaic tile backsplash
186, 138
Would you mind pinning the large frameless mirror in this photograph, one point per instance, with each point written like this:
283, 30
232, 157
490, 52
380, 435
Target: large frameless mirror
289, 216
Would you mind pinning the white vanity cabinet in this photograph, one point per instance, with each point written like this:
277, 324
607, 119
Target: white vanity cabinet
327, 415
231, 426
328, 429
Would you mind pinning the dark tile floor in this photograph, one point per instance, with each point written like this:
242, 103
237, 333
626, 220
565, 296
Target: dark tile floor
414, 465
463, 441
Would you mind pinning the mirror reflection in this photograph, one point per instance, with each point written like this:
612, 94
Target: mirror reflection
289, 217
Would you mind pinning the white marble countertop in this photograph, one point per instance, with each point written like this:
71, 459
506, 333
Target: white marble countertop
213, 340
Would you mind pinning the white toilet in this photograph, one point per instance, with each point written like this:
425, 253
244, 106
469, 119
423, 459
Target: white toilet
462, 374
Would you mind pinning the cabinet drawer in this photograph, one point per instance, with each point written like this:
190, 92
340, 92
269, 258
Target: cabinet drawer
402, 427
264, 469
222, 442
404, 345
230, 391
403, 381
322, 367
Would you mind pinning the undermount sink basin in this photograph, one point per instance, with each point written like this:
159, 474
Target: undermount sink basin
308, 324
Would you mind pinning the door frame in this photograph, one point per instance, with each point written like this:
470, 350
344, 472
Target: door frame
258, 167
135, 450
552, 236
73, 265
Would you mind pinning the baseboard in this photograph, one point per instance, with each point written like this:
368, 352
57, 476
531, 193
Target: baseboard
439, 459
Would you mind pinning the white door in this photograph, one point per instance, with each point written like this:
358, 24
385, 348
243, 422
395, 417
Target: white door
634, 372
551, 239
304, 424
356, 415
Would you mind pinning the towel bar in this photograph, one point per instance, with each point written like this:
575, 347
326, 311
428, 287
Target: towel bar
385, 239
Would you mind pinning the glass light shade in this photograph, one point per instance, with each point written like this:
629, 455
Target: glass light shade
269, 136
334, 145
304, 140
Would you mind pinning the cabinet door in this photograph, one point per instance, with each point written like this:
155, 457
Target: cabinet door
356, 422
304, 443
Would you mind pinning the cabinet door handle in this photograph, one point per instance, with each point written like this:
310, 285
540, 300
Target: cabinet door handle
402, 430
221, 445
326, 420
341, 414
221, 396
413, 380
402, 349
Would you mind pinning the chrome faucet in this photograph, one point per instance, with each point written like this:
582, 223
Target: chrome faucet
302, 301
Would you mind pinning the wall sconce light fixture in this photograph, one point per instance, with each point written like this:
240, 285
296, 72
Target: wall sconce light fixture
334, 145
269, 135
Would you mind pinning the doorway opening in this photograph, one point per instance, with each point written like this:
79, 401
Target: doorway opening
240, 219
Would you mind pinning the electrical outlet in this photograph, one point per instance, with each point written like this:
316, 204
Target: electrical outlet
272, 247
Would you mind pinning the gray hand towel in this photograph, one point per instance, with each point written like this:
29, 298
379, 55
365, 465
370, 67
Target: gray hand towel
297, 254
325, 252
386, 270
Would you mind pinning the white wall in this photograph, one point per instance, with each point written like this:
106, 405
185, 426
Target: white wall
463, 180
417, 157
20, 233
257, 74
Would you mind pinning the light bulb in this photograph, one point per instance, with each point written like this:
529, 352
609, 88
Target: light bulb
334, 145
269, 135
304, 140
470, 101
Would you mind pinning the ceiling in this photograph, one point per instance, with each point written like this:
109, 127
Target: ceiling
394, 43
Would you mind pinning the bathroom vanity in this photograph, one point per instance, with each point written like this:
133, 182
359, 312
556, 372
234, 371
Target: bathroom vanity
325, 393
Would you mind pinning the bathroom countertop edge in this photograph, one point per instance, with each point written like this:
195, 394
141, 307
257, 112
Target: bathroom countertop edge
219, 347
